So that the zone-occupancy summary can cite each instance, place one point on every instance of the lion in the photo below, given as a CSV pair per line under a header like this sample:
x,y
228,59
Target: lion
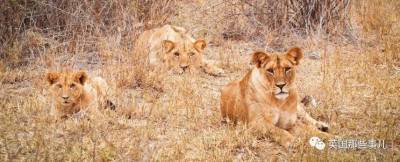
x,y
75,93
266,98
171,48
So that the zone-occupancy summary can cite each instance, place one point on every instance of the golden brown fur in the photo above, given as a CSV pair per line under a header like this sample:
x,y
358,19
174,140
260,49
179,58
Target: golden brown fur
x,y
75,93
171,48
266,98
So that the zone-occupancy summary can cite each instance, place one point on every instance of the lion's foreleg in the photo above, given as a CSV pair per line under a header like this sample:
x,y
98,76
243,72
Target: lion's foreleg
x,y
304,116
306,130
266,127
212,69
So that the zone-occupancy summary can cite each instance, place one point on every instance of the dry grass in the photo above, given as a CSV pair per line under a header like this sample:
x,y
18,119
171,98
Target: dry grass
x,y
355,81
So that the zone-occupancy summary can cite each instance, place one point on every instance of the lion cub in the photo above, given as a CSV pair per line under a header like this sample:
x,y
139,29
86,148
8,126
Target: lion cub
x,y
75,93
171,48
266,98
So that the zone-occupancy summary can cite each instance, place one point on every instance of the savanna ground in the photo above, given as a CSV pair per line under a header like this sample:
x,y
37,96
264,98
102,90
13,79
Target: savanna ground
x,y
353,73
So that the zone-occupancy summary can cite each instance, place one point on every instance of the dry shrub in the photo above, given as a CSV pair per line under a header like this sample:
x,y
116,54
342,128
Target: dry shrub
x,y
26,47
330,16
258,19
76,25
154,13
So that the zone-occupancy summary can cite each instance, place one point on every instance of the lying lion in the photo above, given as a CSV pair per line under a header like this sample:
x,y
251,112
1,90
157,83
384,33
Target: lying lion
x,y
171,48
266,98
75,93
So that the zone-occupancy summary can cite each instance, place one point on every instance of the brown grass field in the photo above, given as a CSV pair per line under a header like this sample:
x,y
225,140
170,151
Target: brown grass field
x,y
351,68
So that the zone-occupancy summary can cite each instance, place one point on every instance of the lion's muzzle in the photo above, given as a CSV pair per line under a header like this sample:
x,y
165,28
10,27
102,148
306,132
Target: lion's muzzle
x,y
281,92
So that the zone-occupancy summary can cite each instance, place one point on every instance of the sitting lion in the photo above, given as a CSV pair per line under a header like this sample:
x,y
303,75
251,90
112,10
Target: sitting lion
x,y
266,98
171,48
75,93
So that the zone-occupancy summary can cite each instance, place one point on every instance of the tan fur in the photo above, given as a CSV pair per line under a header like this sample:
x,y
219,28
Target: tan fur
x,y
171,48
76,93
258,100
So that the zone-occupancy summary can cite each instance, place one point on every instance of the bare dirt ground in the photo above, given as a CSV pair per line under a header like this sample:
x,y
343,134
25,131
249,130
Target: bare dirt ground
x,y
356,86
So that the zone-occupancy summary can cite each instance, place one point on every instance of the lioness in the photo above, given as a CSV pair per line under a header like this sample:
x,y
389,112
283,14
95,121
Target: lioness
x,y
171,48
266,98
76,93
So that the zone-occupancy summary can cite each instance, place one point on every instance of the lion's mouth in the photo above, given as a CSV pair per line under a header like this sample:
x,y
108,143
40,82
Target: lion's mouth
x,y
66,102
282,95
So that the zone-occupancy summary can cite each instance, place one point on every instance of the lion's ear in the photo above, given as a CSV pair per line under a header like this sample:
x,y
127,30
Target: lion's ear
x,y
295,54
200,44
52,77
81,77
168,45
259,58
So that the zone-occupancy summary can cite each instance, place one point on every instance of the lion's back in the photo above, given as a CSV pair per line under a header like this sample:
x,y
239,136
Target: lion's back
x,y
99,87
231,102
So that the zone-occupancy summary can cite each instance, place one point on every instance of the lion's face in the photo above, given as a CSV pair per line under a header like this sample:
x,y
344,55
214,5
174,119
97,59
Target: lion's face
x,y
183,56
278,70
66,87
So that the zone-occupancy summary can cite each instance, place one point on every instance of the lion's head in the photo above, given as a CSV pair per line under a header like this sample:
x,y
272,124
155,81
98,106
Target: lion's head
x,y
67,88
278,70
183,55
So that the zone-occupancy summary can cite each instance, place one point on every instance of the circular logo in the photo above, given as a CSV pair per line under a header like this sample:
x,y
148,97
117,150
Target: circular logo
x,y
313,141
317,143
320,145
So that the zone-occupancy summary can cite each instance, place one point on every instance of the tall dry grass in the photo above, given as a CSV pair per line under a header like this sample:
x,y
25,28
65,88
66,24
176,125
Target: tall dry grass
x,y
34,27
356,82
267,22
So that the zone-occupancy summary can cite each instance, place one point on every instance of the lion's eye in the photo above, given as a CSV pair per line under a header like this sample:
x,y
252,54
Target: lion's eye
x,y
271,71
59,86
287,69
191,54
72,85
176,53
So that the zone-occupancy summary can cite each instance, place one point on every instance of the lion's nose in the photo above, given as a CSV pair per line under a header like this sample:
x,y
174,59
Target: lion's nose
x,y
184,67
65,97
280,85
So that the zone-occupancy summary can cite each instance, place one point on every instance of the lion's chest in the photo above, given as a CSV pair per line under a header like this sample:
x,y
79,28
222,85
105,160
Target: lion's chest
x,y
282,118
